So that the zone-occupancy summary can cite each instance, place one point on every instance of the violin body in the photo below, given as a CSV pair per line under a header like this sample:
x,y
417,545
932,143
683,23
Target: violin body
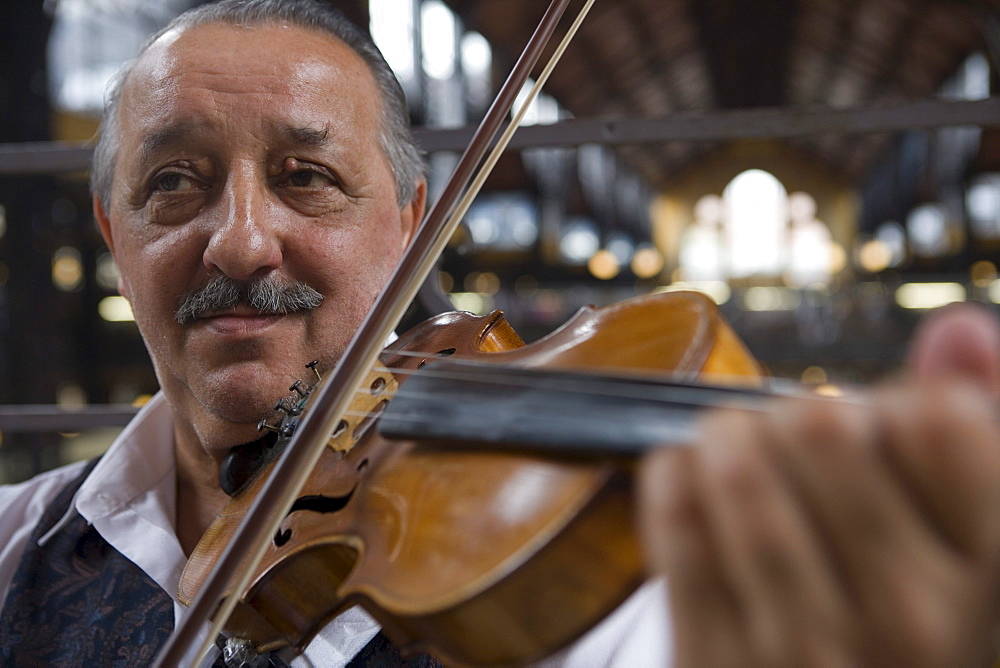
x,y
474,557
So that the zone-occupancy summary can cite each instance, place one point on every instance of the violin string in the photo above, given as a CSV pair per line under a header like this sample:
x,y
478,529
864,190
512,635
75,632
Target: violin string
x,y
680,391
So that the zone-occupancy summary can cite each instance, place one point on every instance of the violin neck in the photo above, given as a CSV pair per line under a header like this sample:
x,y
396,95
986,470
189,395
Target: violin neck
x,y
457,404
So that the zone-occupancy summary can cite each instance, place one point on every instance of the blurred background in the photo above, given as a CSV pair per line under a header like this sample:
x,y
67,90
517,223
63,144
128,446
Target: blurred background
x,y
826,170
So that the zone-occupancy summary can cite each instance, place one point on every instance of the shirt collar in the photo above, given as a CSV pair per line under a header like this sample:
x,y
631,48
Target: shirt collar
x,y
136,463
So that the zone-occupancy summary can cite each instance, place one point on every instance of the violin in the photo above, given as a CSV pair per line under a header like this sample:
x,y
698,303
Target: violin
x,y
485,556
346,516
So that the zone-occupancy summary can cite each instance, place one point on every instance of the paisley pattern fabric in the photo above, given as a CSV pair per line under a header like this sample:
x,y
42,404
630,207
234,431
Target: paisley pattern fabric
x,y
76,601
380,653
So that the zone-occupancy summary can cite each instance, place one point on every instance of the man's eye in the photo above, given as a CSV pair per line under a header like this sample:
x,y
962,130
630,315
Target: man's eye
x,y
305,178
173,182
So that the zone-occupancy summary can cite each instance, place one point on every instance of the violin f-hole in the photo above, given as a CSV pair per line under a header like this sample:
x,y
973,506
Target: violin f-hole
x,y
447,352
317,504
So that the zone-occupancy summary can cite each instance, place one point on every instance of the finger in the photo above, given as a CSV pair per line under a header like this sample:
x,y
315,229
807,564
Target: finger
x,y
963,341
890,560
679,546
770,552
944,443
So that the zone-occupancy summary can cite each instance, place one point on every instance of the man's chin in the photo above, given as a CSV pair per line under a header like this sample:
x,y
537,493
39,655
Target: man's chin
x,y
240,401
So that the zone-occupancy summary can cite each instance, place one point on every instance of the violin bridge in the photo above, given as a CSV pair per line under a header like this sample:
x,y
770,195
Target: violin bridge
x,y
369,402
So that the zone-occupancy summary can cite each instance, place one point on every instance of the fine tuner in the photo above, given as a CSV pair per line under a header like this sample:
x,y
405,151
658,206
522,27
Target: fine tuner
x,y
245,462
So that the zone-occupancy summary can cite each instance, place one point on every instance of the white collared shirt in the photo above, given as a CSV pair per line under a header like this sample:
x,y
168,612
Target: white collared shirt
x,y
129,498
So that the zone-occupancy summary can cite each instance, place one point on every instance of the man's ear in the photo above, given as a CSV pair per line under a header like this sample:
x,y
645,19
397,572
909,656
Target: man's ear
x,y
412,214
104,223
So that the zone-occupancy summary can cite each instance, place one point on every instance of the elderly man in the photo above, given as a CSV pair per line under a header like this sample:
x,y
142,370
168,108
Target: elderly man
x,y
256,184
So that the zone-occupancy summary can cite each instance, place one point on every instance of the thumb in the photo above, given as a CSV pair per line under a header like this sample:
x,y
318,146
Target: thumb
x,y
960,342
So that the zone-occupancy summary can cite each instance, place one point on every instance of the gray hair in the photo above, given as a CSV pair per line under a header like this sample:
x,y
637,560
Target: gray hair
x,y
405,158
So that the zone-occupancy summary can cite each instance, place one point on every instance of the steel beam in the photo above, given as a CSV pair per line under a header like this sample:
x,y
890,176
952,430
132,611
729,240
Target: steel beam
x,y
44,417
708,126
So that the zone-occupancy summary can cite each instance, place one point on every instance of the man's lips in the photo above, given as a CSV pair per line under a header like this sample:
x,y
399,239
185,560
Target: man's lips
x,y
239,321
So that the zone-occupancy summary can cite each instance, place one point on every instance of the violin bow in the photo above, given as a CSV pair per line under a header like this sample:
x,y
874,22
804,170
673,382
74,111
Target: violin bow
x,y
234,568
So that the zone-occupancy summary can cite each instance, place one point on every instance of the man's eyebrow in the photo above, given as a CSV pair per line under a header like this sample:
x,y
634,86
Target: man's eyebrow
x,y
161,138
307,136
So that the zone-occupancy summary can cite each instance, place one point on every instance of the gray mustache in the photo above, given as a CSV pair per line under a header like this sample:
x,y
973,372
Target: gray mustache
x,y
268,295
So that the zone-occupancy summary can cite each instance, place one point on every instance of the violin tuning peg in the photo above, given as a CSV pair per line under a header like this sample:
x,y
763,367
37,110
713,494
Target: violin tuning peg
x,y
264,426
297,387
312,365
280,406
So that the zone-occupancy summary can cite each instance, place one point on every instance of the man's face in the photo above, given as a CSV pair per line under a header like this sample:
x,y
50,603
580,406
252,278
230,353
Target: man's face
x,y
251,154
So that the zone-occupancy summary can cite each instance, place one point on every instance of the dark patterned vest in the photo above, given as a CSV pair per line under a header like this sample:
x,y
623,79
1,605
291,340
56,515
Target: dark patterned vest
x,y
77,601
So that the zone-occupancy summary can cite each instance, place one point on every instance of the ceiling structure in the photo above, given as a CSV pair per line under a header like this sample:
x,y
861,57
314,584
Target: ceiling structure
x,y
657,57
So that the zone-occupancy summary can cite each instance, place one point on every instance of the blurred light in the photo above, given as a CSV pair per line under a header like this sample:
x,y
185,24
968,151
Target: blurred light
x,y
801,207
927,227
141,400
579,242
929,295
974,78
70,396
983,273
446,281
504,221
115,309
67,269
485,282
106,273
770,299
543,109
814,375
473,302
838,258
892,235
874,256
391,28
477,68
477,57
757,215
521,224
828,390
810,254
982,201
621,247
701,253
438,39
483,229
709,209
994,292
717,291
603,265
647,262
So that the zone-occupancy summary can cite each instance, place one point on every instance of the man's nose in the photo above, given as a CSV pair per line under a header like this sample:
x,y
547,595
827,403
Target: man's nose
x,y
244,243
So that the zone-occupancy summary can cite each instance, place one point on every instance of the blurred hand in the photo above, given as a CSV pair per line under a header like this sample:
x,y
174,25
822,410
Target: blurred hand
x,y
824,533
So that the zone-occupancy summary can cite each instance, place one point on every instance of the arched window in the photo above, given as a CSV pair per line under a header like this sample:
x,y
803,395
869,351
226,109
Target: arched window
x,y
756,229
756,223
